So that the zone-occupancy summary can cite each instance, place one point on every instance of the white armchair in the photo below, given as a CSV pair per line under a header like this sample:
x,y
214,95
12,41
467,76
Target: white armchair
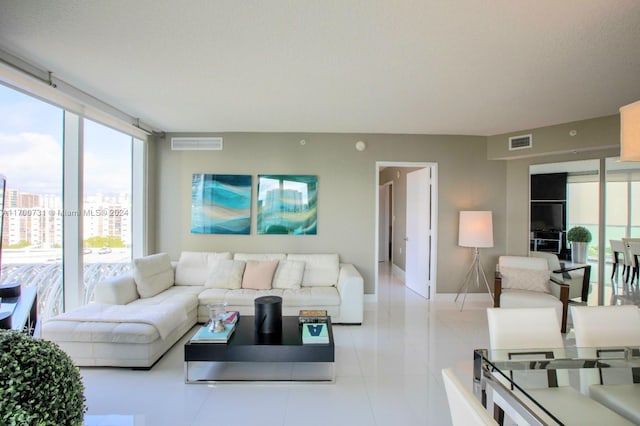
x,y
526,282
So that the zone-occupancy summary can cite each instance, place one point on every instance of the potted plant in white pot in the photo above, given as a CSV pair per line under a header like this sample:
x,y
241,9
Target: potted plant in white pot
x,y
580,237
39,384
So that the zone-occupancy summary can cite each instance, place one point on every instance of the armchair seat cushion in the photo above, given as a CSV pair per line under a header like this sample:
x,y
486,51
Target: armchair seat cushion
x,y
623,399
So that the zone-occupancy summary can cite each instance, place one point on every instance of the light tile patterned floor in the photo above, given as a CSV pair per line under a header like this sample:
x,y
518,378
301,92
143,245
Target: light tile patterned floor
x,y
387,373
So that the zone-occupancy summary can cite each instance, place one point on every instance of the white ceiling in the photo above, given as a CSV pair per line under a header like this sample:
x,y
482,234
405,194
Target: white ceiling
x,y
479,67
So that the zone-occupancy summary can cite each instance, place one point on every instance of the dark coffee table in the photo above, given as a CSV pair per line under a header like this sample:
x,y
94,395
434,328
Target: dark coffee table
x,y
252,357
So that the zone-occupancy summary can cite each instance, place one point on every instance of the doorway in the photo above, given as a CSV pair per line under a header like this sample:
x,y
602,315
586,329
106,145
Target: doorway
x,y
385,228
406,212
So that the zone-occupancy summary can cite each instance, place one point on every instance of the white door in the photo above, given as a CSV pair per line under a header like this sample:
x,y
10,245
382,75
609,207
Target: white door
x,y
418,231
383,224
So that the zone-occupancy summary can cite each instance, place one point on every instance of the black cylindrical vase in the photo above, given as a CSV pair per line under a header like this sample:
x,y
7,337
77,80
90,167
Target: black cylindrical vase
x,y
268,315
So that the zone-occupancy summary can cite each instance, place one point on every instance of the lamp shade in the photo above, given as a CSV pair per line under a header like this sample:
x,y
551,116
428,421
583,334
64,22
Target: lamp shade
x,y
476,229
630,132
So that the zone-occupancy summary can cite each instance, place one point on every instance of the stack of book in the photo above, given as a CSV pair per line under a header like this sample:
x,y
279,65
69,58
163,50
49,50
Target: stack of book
x,y
206,334
314,325
315,332
312,315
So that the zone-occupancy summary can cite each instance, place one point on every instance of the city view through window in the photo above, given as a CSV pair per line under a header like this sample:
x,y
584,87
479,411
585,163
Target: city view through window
x,y
31,158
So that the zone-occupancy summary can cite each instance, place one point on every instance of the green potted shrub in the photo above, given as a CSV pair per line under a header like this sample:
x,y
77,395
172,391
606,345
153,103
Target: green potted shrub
x,y
39,384
580,237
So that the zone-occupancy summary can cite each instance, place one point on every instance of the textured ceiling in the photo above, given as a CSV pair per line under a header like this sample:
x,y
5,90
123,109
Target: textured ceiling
x,y
437,67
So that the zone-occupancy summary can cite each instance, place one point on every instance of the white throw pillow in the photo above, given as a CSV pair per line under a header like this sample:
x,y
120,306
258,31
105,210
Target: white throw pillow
x,y
289,274
526,279
225,273
153,274
319,269
193,266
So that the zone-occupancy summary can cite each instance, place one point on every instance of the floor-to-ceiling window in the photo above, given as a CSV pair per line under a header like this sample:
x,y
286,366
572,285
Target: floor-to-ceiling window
x,y
37,142
623,221
106,202
31,148
582,207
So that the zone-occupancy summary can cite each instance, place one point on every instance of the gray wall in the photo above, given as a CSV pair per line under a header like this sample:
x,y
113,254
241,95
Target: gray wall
x,y
597,133
346,193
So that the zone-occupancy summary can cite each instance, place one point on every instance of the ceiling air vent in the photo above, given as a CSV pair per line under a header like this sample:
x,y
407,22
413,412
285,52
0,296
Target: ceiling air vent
x,y
520,142
196,144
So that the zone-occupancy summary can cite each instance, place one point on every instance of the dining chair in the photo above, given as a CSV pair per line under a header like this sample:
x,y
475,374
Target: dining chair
x,y
536,331
464,407
618,252
597,328
526,282
628,258
634,253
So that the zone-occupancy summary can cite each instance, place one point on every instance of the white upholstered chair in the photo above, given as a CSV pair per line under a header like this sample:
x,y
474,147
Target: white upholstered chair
x,y
619,259
634,252
602,327
526,282
628,258
577,277
464,407
527,329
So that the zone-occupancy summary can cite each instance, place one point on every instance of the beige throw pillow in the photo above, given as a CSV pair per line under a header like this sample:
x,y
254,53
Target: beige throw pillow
x,y
225,273
526,279
259,274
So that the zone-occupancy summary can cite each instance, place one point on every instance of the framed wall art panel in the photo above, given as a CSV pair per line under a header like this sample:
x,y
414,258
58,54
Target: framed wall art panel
x,y
288,204
220,204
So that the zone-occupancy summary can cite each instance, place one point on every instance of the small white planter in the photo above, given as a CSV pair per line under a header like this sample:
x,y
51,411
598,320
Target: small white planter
x,y
579,252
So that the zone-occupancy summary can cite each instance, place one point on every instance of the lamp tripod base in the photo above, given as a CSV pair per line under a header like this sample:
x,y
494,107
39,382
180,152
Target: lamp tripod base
x,y
475,270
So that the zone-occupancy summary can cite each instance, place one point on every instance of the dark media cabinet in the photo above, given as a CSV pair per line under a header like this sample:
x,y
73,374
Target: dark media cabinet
x,y
548,213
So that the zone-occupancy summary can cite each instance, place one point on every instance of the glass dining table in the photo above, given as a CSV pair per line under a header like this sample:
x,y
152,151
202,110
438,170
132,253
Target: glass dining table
x,y
560,386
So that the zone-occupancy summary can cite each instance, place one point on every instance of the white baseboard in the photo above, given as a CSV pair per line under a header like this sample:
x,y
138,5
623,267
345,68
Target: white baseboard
x,y
397,272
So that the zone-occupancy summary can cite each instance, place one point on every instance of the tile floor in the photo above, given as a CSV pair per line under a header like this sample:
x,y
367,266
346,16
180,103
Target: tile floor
x,y
387,372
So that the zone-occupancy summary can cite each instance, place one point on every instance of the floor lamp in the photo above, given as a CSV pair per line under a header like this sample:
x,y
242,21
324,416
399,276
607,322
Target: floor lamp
x,y
475,230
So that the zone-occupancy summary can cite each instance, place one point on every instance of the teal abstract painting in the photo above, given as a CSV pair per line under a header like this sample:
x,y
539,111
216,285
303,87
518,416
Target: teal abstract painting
x,y
288,204
220,204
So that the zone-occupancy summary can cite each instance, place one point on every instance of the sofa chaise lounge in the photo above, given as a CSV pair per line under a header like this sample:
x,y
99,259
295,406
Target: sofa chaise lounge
x,y
136,317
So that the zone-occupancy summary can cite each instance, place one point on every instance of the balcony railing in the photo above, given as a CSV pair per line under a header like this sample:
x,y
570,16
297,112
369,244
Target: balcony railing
x,y
47,277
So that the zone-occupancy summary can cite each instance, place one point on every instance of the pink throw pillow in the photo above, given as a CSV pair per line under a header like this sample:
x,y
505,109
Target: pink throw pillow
x,y
258,274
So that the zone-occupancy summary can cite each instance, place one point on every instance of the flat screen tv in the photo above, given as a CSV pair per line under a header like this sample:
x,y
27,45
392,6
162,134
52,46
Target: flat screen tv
x,y
547,217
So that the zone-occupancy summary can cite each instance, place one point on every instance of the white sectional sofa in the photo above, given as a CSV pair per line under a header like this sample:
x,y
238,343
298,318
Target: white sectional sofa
x,y
136,317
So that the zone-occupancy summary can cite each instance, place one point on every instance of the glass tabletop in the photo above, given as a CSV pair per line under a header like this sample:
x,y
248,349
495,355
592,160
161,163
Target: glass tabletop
x,y
545,386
